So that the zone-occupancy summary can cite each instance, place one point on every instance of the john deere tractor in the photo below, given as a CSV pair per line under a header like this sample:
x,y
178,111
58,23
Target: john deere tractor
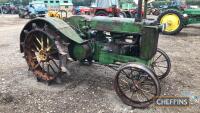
x,y
178,17
126,45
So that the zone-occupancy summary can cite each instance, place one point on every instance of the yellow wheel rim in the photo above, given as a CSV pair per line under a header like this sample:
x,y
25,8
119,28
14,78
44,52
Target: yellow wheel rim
x,y
172,20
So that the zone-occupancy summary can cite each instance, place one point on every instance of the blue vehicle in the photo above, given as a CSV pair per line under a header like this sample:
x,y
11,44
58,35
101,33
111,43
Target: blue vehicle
x,y
33,10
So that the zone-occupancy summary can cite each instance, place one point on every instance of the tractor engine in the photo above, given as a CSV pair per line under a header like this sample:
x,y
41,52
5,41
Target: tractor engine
x,y
122,44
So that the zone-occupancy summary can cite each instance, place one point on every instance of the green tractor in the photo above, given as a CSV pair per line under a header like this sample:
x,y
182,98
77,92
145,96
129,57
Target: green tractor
x,y
178,16
126,45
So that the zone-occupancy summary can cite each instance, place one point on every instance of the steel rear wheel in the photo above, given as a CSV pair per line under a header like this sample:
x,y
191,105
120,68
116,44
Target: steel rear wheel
x,y
42,55
161,64
137,85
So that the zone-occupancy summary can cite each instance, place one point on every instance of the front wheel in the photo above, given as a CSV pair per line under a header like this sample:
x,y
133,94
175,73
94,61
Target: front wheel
x,y
174,21
161,64
137,85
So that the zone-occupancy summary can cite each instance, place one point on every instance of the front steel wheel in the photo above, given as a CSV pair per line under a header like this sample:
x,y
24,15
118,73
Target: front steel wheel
x,y
137,85
161,64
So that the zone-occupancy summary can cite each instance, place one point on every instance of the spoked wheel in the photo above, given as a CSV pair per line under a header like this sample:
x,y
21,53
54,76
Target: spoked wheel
x,y
161,64
137,85
42,55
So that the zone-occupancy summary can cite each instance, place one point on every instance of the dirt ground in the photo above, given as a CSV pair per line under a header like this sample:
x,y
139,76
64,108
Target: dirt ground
x,y
90,89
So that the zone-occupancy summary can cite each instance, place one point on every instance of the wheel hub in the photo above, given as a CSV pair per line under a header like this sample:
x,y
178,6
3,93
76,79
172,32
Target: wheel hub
x,y
43,55
172,20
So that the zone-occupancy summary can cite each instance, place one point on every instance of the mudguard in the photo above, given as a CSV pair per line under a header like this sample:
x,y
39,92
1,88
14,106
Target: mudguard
x,y
59,25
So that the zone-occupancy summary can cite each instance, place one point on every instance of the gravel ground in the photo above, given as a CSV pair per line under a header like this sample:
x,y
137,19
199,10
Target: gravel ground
x,y
90,89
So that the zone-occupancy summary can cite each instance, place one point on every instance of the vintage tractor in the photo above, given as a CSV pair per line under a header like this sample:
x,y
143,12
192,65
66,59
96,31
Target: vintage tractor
x,y
178,17
126,45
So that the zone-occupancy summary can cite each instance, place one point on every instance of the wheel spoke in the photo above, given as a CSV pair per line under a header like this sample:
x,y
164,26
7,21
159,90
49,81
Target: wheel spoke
x,y
161,66
158,58
47,42
127,75
36,66
160,70
52,68
139,99
124,81
149,92
38,41
147,82
160,61
49,47
42,63
55,64
42,43
142,93
48,67
36,46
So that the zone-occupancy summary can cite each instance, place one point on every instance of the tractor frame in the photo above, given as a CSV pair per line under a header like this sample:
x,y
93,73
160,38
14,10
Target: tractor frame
x,y
127,45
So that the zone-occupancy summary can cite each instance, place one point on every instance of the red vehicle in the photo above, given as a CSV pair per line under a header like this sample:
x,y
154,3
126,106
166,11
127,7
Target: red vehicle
x,y
78,10
98,8
106,8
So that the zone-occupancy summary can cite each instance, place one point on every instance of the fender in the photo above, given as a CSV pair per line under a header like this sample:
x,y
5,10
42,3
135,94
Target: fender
x,y
59,25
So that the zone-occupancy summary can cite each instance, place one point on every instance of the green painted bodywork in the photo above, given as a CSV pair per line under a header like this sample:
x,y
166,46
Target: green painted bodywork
x,y
194,16
76,28
59,25
64,28
111,58
115,24
101,23
192,11
148,41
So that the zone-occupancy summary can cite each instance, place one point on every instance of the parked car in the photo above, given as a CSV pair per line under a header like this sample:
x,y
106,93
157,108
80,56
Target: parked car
x,y
33,10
